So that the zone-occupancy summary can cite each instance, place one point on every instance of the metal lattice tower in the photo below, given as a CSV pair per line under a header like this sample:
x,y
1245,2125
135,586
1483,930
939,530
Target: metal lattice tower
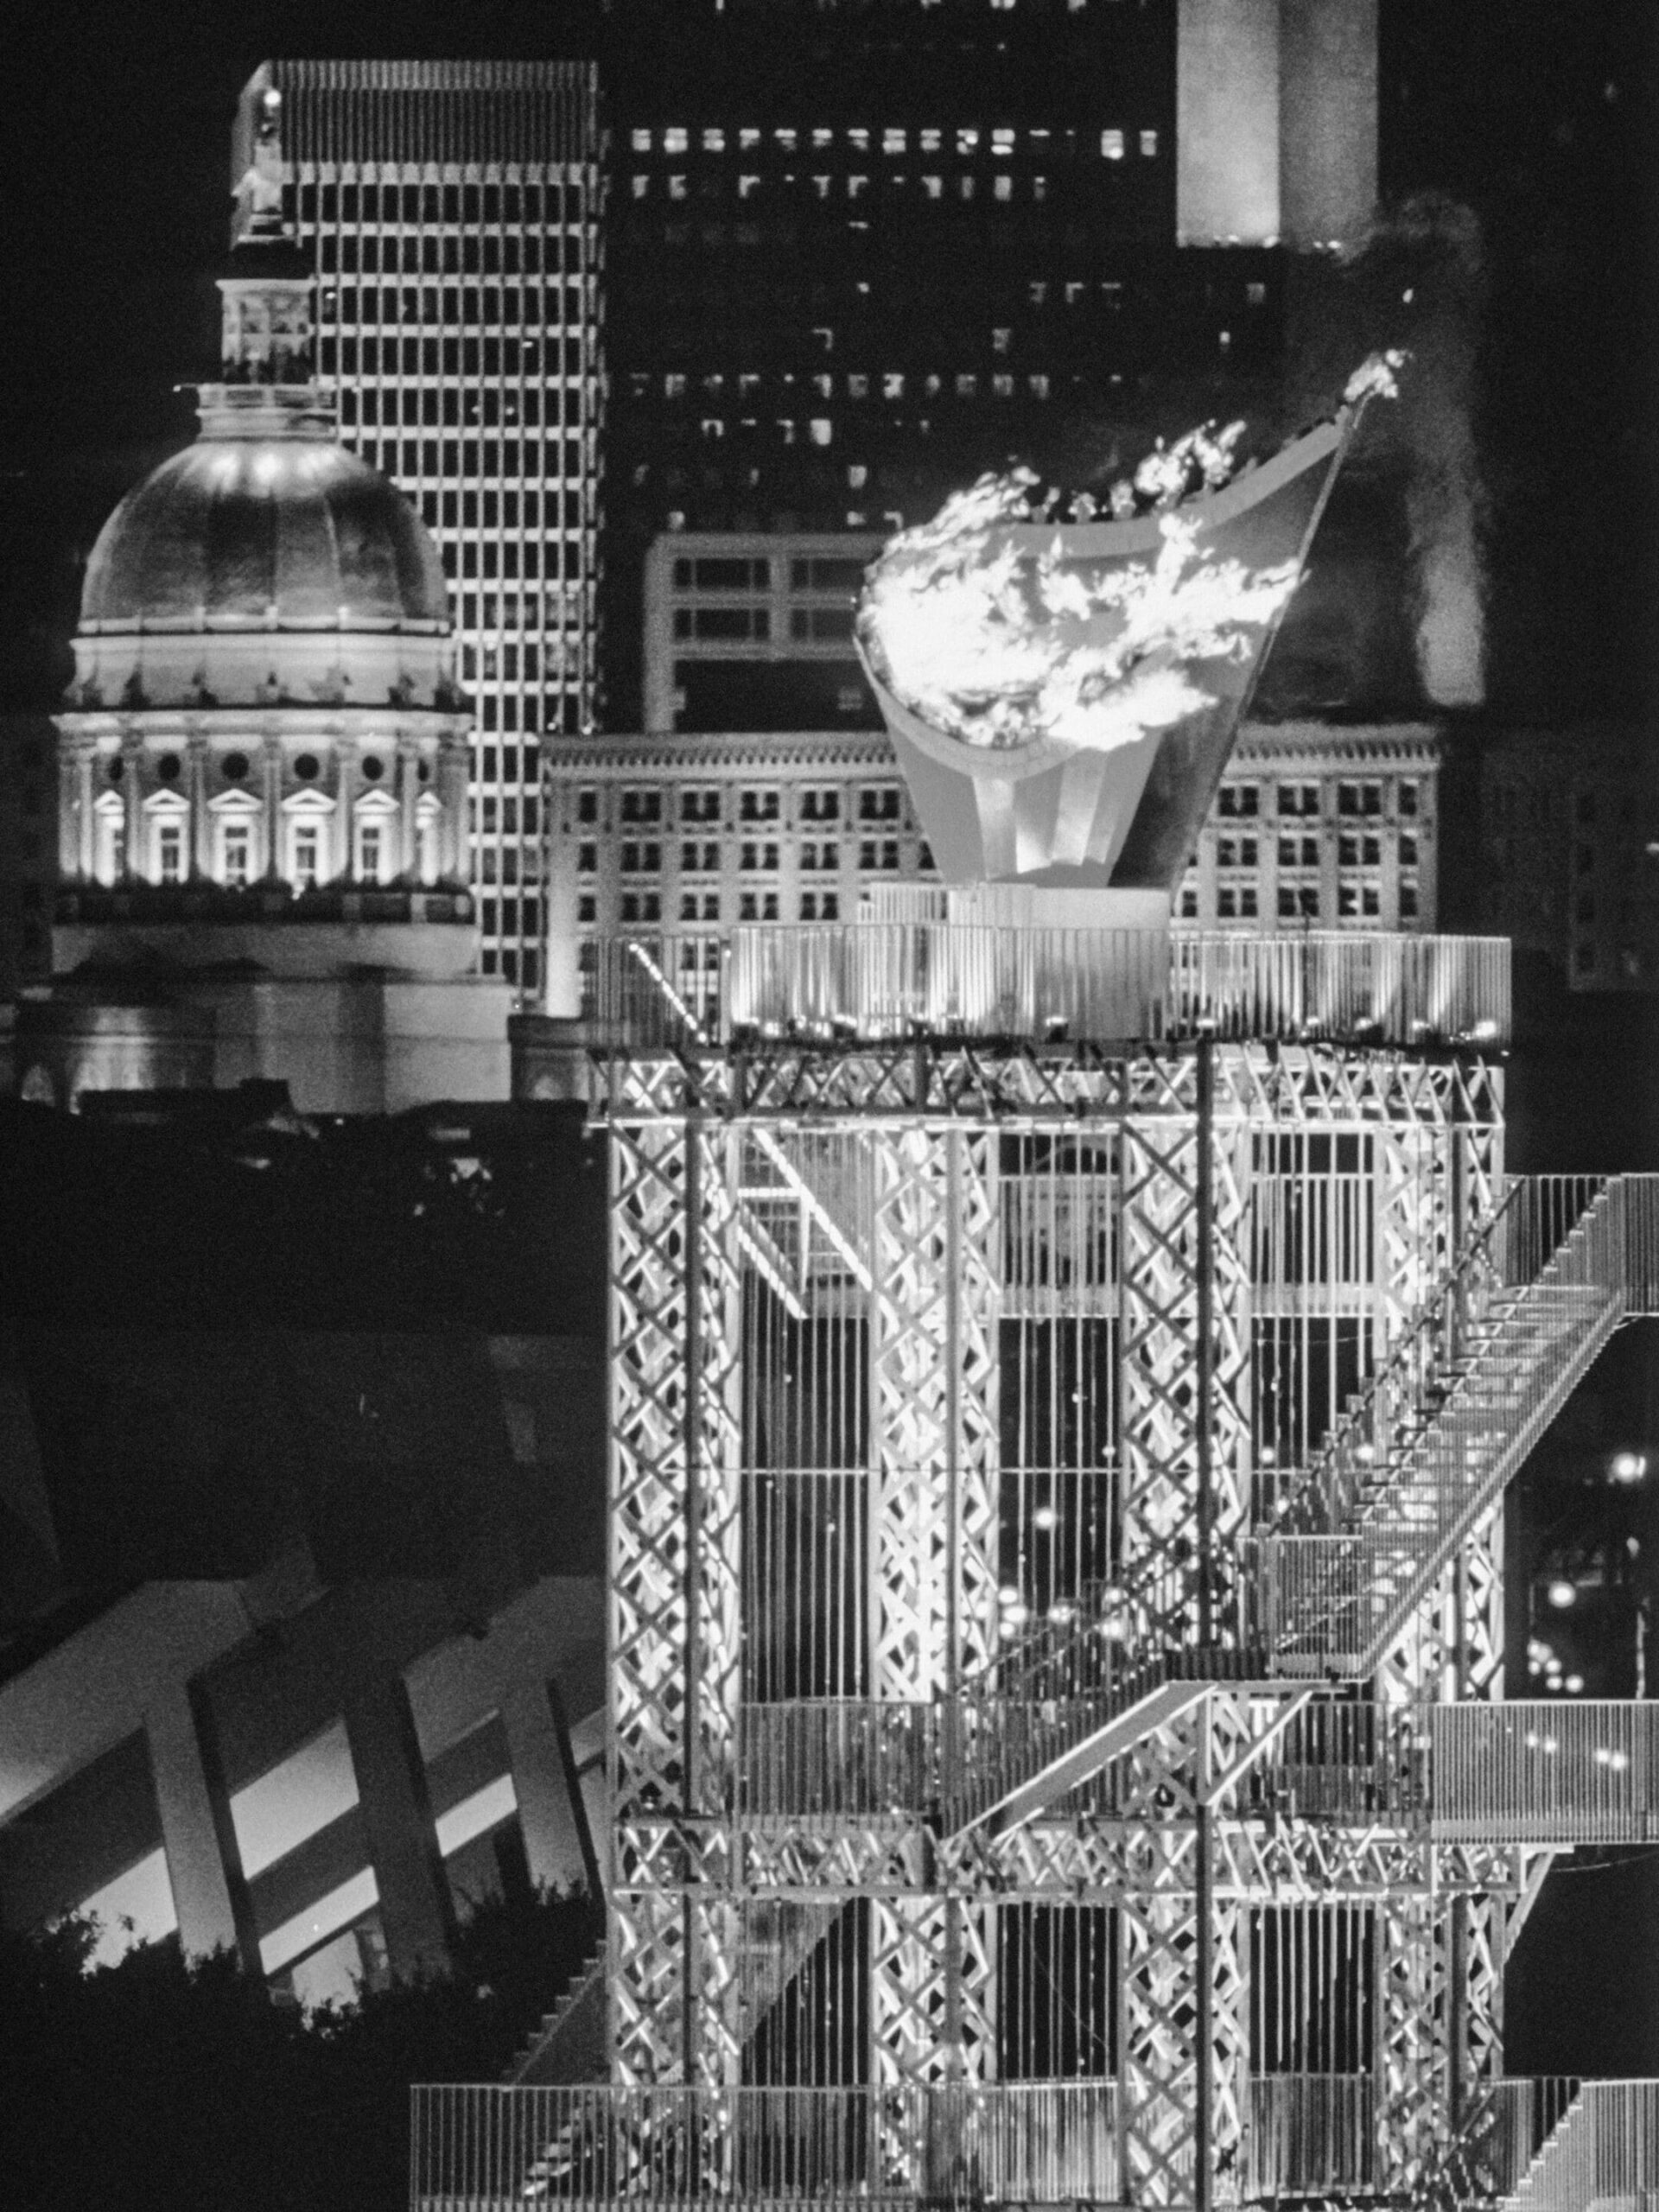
x,y
995,1698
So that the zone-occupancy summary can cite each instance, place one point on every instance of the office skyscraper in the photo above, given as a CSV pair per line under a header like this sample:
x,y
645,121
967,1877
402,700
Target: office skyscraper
x,y
452,210
857,253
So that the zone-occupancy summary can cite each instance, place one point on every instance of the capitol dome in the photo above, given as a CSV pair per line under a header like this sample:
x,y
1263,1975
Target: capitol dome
x,y
267,533
264,564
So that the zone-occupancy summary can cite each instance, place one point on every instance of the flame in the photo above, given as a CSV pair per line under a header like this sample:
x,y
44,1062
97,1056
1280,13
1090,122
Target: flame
x,y
999,646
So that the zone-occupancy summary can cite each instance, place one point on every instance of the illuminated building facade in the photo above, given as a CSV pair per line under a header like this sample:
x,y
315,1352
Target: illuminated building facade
x,y
262,759
1313,829
451,211
858,253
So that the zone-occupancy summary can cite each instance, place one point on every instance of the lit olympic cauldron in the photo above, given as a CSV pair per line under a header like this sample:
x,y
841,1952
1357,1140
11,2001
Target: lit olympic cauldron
x,y
1063,696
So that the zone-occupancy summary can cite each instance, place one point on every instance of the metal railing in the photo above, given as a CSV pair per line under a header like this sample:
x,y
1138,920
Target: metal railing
x,y
1546,1772
1340,983
1311,2134
1500,2137
1439,1428
686,989
862,1761
476,2146
1605,2147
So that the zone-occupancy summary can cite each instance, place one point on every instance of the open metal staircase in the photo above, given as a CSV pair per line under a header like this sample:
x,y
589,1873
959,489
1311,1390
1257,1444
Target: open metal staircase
x,y
1604,2151
1441,1428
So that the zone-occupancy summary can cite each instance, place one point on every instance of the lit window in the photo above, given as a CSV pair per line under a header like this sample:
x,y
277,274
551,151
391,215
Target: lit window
x,y
1002,187
236,855
306,855
929,141
748,137
822,430
640,142
892,385
1149,143
1002,144
371,852
1111,145
967,139
933,186
674,139
170,853
714,139
893,142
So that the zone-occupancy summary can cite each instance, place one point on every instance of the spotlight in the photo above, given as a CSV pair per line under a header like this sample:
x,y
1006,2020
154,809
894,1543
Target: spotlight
x,y
1574,1684
1562,1594
1628,1466
1045,1518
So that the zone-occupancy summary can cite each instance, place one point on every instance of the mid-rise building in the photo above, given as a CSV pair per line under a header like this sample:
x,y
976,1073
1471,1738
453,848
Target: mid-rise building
x,y
451,211
753,630
678,836
1569,853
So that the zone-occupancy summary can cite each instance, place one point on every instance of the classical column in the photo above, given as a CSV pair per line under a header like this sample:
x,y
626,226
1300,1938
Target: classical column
x,y
416,1912
345,749
201,823
77,850
409,792
453,770
132,794
270,776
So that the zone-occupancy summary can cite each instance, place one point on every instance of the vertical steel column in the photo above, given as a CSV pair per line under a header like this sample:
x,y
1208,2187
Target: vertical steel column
x,y
1205,1363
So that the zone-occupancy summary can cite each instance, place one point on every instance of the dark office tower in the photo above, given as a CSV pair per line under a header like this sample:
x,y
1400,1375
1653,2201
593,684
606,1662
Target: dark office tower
x,y
453,209
858,251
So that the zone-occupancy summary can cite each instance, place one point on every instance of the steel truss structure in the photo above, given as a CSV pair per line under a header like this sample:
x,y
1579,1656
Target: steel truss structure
x,y
953,1392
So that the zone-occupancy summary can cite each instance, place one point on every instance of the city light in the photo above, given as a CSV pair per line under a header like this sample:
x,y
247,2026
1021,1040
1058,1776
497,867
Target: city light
x,y
1628,1466
1562,1594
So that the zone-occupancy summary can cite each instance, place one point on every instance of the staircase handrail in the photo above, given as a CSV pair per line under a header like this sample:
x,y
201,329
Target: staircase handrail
x,y
1421,1355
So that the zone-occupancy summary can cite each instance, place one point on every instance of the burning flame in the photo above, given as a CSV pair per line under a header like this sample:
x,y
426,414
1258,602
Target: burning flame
x,y
999,642
999,646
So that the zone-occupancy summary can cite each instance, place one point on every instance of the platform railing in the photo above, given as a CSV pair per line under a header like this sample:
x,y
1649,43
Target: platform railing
x,y
1605,2151
1501,2134
1438,1429
654,991
1546,1772
1311,2135
487,2149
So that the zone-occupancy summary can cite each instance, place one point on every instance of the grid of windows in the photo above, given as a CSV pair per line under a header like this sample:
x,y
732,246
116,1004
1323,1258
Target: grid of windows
x,y
811,842
452,216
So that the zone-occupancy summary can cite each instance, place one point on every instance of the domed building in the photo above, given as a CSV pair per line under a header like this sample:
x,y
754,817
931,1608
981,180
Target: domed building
x,y
264,762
